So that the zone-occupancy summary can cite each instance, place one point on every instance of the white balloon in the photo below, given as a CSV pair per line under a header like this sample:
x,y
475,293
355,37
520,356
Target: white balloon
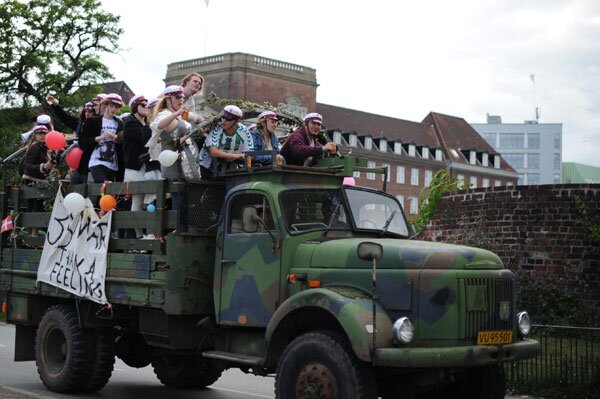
x,y
74,203
167,158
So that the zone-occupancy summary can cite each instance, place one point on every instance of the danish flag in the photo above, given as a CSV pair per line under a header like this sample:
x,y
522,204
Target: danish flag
x,y
7,223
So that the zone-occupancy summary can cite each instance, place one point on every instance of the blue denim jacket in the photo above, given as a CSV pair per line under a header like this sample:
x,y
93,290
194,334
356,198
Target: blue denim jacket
x,y
259,145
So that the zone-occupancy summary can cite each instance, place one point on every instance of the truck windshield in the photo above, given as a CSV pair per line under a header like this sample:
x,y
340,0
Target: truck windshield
x,y
314,210
374,211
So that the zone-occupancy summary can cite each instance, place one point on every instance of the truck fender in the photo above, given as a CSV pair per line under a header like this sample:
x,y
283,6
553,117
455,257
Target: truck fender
x,y
350,307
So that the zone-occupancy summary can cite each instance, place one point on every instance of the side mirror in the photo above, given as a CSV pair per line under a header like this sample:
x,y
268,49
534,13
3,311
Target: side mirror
x,y
249,219
369,251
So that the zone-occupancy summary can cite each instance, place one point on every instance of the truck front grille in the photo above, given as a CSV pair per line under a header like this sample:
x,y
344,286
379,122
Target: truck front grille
x,y
488,306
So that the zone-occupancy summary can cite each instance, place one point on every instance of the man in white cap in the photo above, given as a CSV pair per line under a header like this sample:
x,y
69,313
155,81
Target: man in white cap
x,y
99,140
225,143
264,137
302,147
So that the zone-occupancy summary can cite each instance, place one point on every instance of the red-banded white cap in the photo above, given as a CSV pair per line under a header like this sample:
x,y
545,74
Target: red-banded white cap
x,y
89,105
153,102
173,90
233,111
114,98
40,129
100,97
267,115
136,100
313,116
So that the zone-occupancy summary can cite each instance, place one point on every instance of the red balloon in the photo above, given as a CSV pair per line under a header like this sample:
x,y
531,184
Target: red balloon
x,y
55,140
74,157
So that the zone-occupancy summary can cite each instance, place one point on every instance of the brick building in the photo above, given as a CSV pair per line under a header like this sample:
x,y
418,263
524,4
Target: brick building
x,y
413,151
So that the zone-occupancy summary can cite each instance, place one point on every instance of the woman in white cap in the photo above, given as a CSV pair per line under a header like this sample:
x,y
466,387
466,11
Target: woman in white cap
x,y
302,147
171,132
100,141
264,137
227,142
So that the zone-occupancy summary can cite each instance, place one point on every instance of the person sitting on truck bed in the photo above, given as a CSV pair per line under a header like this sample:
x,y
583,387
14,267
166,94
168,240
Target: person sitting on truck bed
x,y
302,147
226,142
264,137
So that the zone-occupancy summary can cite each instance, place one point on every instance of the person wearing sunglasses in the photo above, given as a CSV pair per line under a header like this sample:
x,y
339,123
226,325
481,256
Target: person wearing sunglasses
x,y
226,143
302,147
171,132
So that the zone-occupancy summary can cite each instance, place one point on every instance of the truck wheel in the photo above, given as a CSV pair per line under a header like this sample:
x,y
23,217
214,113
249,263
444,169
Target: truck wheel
x,y
61,350
101,347
487,382
321,364
185,372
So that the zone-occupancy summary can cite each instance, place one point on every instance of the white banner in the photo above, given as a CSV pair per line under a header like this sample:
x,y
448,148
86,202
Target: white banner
x,y
75,251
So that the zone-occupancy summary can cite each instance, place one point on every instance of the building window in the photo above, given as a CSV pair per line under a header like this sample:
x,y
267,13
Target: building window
x,y
533,141
557,141
414,176
485,159
533,161
425,152
368,143
490,138
438,155
356,174
398,148
370,175
473,181
414,205
556,161
400,199
472,157
521,179
389,171
497,161
512,140
337,137
352,140
400,175
515,160
428,177
509,184
557,179
485,182
411,150
461,180
383,145
533,178
497,182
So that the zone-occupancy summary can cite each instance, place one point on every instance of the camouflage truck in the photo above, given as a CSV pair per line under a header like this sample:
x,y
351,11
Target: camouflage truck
x,y
275,270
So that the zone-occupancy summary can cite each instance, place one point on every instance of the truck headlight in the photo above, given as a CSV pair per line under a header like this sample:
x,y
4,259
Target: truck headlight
x,y
524,323
403,330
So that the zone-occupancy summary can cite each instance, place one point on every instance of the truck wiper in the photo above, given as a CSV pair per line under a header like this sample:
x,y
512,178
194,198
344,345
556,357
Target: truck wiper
x,y
330,221
387,224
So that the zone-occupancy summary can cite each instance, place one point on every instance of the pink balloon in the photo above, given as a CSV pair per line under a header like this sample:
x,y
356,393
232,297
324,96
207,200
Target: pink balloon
x,y
349,181
55,140
74,157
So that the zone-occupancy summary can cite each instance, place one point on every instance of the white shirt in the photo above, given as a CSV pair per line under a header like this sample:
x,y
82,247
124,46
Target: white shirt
x,y
239,142
105,153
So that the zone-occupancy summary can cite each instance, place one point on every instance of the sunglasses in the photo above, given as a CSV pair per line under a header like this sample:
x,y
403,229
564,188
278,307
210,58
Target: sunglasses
x,y
178,96
144,105
229,118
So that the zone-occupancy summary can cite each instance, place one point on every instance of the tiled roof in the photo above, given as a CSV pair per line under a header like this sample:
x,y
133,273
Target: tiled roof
x,y
364,123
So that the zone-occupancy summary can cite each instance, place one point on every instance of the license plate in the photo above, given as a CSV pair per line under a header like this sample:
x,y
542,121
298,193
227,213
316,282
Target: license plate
x,y
494,337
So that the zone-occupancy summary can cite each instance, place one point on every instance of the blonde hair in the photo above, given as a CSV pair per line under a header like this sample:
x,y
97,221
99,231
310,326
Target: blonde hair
x,y
159,106
187,78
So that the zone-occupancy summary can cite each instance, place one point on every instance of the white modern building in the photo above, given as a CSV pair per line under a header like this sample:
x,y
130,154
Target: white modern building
x,y
533,149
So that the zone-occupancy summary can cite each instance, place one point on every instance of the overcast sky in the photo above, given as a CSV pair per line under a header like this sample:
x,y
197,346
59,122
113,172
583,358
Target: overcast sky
x,y
397,58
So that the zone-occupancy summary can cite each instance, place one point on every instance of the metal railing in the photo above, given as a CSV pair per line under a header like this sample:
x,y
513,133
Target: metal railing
x,y
570,356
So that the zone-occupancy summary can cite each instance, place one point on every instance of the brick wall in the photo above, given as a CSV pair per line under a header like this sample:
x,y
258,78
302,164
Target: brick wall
x,y
532,228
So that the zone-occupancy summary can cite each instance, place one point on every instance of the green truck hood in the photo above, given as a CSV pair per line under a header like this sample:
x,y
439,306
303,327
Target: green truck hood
x,y
397,254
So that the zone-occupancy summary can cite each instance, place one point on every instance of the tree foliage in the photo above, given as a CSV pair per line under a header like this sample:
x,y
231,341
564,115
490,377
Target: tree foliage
x,y
53,46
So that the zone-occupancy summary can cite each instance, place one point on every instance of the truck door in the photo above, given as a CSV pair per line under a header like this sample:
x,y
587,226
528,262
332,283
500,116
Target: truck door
x,y
250,262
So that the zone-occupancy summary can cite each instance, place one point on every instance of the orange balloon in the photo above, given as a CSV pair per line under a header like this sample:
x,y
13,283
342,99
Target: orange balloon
x,y
107,202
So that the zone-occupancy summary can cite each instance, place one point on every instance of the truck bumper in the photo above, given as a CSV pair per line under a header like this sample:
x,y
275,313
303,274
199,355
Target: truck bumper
x,y
476,355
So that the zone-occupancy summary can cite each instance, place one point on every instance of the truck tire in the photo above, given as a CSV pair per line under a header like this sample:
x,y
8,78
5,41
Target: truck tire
x,y
488,382
61,350
185,372
321,364
101,348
